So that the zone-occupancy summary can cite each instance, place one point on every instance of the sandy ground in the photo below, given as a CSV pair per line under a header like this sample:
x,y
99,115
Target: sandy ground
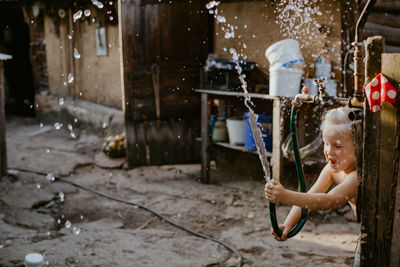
x,y
72,227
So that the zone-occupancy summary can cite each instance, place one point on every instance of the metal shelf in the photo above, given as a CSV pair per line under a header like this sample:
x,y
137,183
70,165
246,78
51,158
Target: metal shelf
x,y
240,148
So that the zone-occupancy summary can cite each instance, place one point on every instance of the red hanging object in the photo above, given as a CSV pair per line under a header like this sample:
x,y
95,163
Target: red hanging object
x,y
380,90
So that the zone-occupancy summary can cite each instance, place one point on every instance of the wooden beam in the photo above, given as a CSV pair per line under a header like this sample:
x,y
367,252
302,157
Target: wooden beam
x,y
387,6
370,173
3,147
391,34
374,47
278,135
390,68
385,18
205,139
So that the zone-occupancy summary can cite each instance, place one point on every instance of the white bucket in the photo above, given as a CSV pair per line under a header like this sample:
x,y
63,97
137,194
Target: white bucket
x,y
284,81
284,53
236,130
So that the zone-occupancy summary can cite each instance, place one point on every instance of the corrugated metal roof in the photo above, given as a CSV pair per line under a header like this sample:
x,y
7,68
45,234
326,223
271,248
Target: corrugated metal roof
x,y
5,56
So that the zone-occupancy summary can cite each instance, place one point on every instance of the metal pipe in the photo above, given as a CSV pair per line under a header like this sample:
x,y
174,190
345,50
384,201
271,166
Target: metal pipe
x,y
356,114
358,98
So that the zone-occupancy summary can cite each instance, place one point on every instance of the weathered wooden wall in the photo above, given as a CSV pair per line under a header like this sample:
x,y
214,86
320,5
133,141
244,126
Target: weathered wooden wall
x,y
380,165
384,19
262,23
96,78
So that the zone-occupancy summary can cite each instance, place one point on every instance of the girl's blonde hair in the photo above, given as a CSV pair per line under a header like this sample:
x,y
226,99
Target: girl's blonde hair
x,y
339,119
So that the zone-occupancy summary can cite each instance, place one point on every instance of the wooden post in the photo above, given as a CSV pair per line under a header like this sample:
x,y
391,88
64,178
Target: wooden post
x,y
3,150
390,68
277,136
380,218
205,139
370,161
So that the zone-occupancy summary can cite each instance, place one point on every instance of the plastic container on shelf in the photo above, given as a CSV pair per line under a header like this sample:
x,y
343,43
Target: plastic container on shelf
x,y
219,132
265,122
284,81
285,53
236,130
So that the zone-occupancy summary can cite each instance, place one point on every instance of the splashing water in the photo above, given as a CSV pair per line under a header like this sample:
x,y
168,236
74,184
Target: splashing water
x,y
61,195
57,126
230,33
51,177
70,78
76,230
77,15
98,4
76,54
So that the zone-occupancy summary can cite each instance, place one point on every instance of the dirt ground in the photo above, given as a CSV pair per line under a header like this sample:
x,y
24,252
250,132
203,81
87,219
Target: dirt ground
x,y
73,227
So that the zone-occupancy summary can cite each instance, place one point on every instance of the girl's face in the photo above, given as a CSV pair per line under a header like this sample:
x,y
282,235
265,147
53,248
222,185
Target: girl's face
x,y
338,150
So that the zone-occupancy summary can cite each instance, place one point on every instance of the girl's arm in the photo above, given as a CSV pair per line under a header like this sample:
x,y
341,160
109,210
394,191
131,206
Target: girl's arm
x,y
321,185
315,199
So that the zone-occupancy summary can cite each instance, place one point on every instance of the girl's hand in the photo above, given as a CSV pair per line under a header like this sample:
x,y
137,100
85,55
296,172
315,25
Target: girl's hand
x,y
285,230
274,191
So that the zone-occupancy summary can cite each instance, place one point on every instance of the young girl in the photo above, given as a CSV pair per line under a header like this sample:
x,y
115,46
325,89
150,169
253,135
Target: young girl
x,y
340,170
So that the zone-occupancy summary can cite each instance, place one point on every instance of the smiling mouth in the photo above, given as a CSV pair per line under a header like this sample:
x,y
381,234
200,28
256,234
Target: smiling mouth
x,y
333,162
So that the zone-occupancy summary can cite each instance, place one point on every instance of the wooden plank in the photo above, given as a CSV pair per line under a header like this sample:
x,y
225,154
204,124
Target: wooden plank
x,y
368,207
374,47
370,159
205,139
357,136
390,68
277,135
3,145
385,18
395,246
388,123
391,34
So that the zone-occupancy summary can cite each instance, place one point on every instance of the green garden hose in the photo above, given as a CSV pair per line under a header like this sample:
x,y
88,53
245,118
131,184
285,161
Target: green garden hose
x,y
300,176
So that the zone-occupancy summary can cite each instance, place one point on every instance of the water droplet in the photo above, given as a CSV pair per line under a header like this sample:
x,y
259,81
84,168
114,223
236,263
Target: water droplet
x,y
98,4
47,150
76,54
61,101
77,15
70,78
57,126
76,230
69,36
51,177
61,195
87,13
104,125
38,186
68,224
58,221
41,125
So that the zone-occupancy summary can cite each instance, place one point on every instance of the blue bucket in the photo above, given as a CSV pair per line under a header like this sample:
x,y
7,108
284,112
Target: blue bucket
x,y
265,121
